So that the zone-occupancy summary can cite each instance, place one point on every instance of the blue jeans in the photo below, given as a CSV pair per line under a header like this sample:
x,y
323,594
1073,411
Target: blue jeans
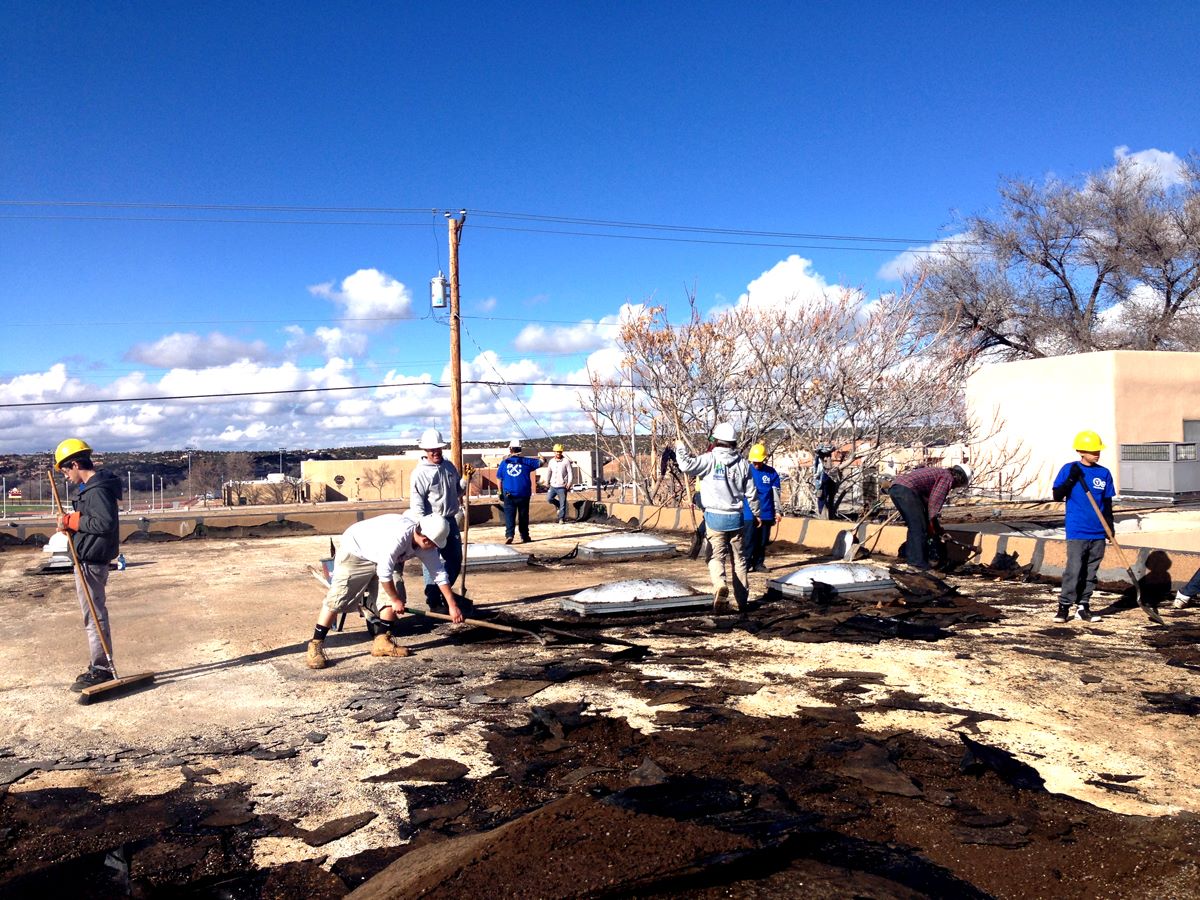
x,y
452,559
755,540
916,516
516,516
558,497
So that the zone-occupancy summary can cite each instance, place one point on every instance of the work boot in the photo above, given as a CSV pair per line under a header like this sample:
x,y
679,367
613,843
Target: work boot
x,y
92,677
721,598
316,654
1083,614
383,646
1064,613
508,540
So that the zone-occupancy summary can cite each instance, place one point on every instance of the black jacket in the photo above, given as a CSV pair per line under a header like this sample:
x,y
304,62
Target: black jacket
x,y
98,539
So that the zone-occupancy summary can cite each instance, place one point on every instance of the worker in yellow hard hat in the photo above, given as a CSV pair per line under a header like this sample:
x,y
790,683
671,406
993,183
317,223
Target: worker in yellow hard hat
x,y
1085,530
94,529
755,538
560,480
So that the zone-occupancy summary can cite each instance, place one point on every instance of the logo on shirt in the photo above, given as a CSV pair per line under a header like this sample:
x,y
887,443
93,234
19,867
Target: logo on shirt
x,y
1098,483
513,469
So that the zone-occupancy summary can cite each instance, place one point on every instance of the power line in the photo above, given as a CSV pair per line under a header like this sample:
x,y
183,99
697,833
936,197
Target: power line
x,y
495,214
288,391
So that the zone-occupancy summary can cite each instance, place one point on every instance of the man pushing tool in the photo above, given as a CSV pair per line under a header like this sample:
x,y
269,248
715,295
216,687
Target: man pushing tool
x,y
371,553
96,536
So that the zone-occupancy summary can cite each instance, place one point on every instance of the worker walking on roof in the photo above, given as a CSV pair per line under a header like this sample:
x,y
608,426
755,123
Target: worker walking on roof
x,y
94,529
725,483
1085,531
437,489
560,482
516,488
919,495
372,552
755,538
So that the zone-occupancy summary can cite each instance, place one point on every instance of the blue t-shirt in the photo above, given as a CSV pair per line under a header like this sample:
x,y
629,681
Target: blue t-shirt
x,y
514,475
1082,522
766,481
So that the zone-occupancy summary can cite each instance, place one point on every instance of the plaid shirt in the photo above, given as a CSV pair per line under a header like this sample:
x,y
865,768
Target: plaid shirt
x,y
931,484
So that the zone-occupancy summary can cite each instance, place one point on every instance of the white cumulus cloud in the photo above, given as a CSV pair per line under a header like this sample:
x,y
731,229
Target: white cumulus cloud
x,y
369,297
1166,166
788,284
905,264
195,351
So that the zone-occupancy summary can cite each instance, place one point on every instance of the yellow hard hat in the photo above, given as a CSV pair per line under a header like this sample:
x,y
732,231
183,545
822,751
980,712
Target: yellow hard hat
x,y
68,448
1089,442
558,448
758,453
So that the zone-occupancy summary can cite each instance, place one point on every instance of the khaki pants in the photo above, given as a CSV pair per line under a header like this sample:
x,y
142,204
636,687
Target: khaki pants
x,y
728,545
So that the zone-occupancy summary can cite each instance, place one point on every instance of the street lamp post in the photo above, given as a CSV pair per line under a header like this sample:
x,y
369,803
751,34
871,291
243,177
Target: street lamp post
x,y
281,449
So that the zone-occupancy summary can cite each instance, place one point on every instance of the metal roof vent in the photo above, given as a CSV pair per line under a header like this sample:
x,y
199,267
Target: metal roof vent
x,y
844,578
626,546
635,595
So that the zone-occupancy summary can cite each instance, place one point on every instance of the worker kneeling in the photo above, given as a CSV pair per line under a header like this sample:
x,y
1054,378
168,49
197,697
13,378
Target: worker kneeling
x,y
371,553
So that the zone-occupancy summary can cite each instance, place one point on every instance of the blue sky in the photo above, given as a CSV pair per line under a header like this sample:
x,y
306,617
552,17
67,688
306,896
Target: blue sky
x,y
876,120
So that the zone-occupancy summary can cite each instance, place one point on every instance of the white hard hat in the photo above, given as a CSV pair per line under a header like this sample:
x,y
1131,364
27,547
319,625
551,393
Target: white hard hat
x,y
966,470
435,528
724,432
514,443
431,439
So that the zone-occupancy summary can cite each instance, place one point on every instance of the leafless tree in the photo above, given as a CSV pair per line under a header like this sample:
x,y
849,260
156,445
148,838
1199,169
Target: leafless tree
x,y
378,477
207,475
239,472
1111,262
857,375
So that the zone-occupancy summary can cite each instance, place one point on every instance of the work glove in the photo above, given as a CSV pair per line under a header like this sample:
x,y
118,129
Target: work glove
x,y
460,518
70,521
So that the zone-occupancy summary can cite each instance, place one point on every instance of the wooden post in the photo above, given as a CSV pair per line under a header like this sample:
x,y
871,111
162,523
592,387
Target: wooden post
x,y
455,347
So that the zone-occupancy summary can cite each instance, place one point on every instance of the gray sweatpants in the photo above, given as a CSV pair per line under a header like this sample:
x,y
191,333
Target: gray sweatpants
x,y
96,575
1079,576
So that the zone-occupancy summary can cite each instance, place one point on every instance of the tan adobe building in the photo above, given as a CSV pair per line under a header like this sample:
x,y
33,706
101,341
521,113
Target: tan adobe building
x,y
1039,405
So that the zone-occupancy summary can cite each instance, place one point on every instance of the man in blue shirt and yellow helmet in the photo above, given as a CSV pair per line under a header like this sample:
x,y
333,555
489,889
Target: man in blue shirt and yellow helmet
x,y
1085,531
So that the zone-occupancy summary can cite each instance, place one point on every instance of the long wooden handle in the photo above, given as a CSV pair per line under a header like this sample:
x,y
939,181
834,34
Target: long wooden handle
x,y
478,623
87,591
1108,531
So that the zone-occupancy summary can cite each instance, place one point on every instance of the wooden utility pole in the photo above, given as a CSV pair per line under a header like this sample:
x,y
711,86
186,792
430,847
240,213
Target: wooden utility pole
x,y
456,438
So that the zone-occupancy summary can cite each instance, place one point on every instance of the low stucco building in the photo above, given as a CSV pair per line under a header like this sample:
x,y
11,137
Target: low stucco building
x,y
1029,411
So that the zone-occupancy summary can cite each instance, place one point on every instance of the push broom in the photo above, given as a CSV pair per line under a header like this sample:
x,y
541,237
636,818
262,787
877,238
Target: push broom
x,y
116,685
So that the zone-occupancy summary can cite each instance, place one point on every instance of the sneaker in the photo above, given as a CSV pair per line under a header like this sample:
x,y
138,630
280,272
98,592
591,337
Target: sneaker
x,y
1064,614
1083,614
92,677
508,540
1181,600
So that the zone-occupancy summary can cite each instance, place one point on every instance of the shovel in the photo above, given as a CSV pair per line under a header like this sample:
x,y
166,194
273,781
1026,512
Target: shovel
x,y
116,684
854,544
1151,612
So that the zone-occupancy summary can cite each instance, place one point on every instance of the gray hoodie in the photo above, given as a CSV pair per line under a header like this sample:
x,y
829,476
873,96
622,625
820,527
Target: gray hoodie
x,y
725,478
436,489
